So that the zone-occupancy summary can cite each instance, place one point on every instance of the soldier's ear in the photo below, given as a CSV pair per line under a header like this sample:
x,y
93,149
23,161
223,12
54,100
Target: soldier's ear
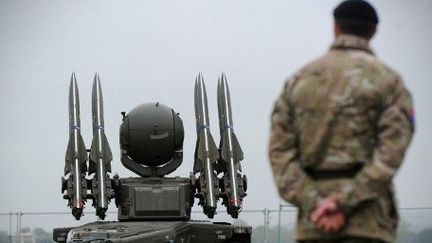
x,y
336,29
373,32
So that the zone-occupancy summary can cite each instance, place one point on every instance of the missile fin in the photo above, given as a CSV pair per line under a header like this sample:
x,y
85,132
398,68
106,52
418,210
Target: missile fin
x,y
198,166
106,155
212,152
81,154
238,152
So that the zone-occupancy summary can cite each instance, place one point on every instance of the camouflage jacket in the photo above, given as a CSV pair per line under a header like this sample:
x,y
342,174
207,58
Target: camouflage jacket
x,y
344,111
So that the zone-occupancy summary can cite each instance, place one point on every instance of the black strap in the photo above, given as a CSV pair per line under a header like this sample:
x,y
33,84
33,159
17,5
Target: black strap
x,y
334,174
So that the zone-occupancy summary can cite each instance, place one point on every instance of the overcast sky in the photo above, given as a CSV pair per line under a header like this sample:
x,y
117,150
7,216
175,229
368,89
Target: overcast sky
x,y
147,51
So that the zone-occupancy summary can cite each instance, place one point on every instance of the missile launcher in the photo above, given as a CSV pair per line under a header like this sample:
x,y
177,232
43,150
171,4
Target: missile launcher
x,y
154,207
233,182
75,184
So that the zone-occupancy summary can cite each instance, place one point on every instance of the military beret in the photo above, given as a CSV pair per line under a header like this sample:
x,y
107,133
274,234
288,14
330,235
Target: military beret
x,y
356,11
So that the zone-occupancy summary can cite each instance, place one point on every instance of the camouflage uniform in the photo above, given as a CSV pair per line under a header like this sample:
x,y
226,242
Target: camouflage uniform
x,y
341,127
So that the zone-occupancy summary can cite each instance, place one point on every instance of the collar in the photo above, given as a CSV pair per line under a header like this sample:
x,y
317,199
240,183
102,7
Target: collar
x,y
351,42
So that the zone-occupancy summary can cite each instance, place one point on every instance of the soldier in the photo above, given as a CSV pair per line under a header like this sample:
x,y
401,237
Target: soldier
x,y
339,132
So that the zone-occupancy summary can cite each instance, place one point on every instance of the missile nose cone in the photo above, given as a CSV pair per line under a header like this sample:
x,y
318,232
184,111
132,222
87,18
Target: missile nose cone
x,y
223,82
201,110
198,81
73,77
97,103
96,84
200,88
200,77
73,82
223,77
73,93
96,77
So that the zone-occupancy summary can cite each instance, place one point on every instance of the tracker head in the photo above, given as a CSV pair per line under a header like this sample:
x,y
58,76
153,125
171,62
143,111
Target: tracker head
x,y
151,140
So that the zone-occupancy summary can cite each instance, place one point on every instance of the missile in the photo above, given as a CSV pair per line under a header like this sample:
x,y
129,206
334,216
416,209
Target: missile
x,y
206,152
100,155
75,182
234,185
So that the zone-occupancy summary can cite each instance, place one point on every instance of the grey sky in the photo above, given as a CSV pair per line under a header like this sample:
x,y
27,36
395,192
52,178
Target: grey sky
x,y
152,50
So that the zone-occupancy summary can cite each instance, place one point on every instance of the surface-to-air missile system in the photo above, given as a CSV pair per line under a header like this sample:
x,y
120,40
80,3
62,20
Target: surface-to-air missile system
x,y
154,207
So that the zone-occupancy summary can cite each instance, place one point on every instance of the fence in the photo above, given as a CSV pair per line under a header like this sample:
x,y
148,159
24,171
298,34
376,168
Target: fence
x,y
269,225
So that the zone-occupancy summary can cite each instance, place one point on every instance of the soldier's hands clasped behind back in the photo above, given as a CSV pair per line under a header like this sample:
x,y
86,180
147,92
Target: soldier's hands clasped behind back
x,y
327,216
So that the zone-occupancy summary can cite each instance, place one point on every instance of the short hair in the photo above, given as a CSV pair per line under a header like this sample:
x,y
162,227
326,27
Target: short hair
x,y
356,17
362,29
